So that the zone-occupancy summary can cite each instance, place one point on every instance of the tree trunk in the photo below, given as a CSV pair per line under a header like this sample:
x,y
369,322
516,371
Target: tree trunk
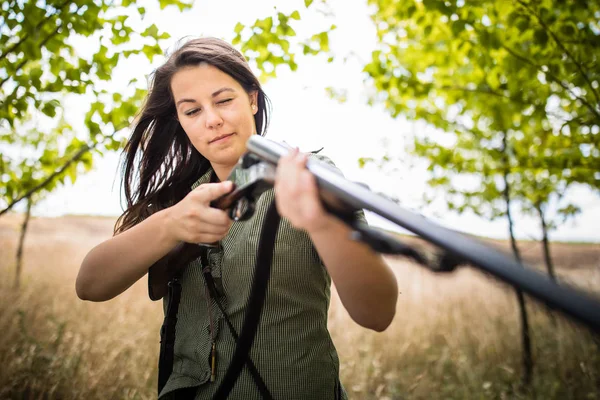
x,y
546,243
547,257
525,337
21,243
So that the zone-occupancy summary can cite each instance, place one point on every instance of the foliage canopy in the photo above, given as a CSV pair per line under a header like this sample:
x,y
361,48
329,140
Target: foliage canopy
x,y
44,59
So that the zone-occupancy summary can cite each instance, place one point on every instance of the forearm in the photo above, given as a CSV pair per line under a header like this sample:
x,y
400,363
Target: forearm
x,y
114,265
366,285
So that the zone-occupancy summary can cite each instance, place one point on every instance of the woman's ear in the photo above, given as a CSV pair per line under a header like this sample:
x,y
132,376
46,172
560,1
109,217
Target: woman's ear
x,y
254,101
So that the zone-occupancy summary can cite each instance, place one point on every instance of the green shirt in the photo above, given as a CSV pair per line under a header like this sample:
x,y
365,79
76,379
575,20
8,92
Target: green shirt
x,y
292,350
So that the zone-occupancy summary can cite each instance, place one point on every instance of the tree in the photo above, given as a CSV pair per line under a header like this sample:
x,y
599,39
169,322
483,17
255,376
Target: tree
x,y
40,66
271,42
484,70
512,84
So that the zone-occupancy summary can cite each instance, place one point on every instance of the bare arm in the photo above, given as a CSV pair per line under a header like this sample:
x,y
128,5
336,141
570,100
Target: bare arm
x,y
116,264
366,285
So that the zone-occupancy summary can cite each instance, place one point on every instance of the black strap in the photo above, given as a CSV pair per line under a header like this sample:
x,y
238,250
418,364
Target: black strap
x,y
255,303
214,292
167,333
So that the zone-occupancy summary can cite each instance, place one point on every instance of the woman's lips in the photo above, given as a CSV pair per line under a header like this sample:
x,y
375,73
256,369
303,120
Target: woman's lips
x,y
221,138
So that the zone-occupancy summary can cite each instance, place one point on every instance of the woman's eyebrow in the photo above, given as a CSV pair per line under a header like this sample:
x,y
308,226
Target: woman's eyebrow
x,y
184,101
223,89
215,94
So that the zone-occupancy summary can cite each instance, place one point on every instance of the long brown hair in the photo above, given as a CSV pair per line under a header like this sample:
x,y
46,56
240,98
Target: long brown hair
x,y
159,162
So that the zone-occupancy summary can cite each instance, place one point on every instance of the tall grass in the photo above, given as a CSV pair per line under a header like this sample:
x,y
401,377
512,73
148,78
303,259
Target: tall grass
x,y
458,337
455,336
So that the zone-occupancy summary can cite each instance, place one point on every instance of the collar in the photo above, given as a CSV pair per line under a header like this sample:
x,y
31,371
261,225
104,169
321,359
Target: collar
x,y
205,178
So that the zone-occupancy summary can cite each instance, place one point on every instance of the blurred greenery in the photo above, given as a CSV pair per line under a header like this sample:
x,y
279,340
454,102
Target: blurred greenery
x,y
41,65
512,85
512,88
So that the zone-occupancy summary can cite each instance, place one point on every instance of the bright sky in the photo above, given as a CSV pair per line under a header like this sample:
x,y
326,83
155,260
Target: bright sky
x,y
303,115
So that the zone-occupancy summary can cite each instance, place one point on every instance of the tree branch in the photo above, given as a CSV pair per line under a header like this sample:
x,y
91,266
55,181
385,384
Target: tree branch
x,y
562,47
554,78
22,63
25,60
490,92
51,177
476,90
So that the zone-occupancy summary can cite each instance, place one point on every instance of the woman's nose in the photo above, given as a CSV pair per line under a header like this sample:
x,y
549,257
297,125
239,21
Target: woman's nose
x,y
213,118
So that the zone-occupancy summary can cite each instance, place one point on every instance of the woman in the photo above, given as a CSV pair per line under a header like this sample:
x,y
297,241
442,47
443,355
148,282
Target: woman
x,y
203,105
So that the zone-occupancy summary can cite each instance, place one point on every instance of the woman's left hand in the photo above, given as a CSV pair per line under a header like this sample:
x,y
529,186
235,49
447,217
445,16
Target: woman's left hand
x,y
296,194
366,285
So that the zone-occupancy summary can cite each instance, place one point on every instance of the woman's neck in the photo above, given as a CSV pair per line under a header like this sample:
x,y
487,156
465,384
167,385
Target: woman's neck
x,y
222,171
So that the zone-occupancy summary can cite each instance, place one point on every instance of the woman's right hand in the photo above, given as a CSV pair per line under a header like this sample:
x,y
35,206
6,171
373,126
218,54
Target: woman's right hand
x,y
193,220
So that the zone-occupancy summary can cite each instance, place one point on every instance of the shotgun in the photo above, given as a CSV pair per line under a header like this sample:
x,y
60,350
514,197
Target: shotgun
x,y
255,173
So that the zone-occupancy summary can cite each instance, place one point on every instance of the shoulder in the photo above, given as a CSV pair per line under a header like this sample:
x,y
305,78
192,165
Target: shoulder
x,y
204,178
317,156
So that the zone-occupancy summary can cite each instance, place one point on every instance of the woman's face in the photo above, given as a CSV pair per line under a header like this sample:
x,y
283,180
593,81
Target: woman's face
x,y
216,113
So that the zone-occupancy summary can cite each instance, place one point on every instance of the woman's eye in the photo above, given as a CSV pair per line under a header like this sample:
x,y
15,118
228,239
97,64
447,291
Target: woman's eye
x,y
224,101
192,112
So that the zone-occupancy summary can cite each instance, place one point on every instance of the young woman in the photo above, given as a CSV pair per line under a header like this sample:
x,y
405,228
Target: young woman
x,y
203,105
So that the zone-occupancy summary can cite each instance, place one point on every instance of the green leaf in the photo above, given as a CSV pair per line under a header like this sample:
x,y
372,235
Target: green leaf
x,y
541,37
427,30
457,27
522,23
49,109
238,28
151,31
363,161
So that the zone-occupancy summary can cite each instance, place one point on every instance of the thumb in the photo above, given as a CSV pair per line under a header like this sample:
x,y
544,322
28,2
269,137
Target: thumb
x,y
212,191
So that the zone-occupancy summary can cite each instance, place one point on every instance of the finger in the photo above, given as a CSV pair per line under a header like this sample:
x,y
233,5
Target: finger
x,y
212,191
215,216
296,166
290,165
301,159
210,238
209,229
203,229
289,156
307,182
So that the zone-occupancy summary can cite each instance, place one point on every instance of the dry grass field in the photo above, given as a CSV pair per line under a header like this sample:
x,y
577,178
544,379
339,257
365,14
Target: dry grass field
x,y
455,336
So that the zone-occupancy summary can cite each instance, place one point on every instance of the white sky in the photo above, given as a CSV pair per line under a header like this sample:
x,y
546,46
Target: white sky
x,y
303,115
